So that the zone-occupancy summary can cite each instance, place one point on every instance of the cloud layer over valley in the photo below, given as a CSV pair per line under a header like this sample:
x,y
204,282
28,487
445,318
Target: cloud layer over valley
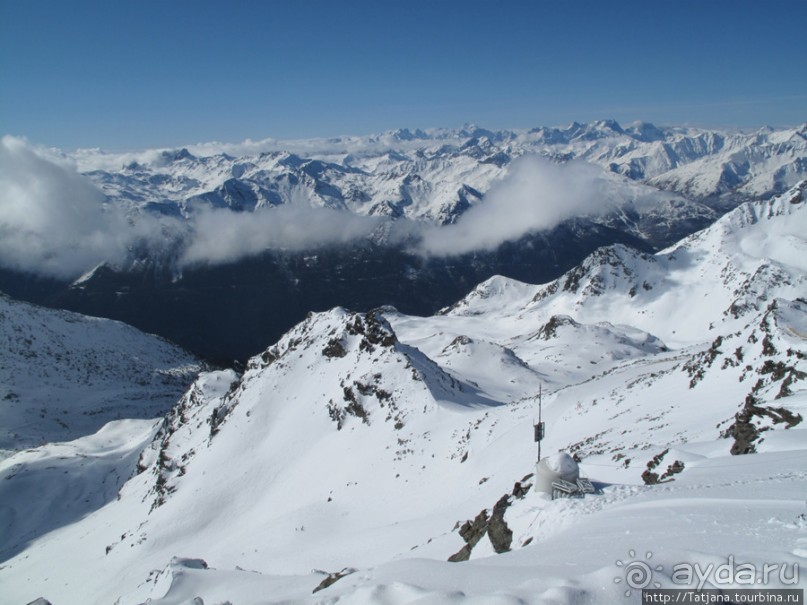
x,y
57,222
53,220
436,193
222,236
535,194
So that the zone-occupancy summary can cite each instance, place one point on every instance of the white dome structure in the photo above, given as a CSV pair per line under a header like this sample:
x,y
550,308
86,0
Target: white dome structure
x,y
554,469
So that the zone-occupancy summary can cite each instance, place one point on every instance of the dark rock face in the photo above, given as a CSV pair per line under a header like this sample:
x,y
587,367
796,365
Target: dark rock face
x,y
334,348
493,526
472,533
651,478
744,430
333,577
550,329
501,536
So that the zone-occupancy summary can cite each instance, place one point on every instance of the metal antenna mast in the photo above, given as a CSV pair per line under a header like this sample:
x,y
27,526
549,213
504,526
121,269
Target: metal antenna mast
x,y
539,427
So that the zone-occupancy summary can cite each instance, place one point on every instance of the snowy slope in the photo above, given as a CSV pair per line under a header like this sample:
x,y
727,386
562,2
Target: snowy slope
x,y
64,375
71,479
716,276
262,516
360,445
582,549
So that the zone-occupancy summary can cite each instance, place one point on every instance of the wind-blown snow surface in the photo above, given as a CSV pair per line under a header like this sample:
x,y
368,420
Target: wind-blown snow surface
x,y
65,375
362,443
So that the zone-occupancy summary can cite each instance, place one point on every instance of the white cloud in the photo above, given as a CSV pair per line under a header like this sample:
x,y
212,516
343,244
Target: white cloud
x,y
220,235
536,194
55,222
50,218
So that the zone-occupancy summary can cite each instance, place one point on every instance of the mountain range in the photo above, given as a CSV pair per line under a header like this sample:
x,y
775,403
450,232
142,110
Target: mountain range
x,y
438,175
259,233
382,457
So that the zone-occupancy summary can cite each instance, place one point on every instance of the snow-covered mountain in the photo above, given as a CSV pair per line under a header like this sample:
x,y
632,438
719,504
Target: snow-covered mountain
x,y
437,175
64,375
656,184
711,279
354,457
413,219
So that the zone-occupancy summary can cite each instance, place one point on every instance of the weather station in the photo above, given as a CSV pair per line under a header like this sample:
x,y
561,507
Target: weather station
x,y
557,475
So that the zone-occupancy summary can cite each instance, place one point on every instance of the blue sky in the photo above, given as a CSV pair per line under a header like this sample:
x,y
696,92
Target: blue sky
x,y
126,75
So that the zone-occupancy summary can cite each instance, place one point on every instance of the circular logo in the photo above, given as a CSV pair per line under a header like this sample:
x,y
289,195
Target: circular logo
x,y
638,574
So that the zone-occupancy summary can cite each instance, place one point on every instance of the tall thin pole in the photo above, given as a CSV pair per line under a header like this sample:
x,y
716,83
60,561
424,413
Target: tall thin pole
x,y
539,418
